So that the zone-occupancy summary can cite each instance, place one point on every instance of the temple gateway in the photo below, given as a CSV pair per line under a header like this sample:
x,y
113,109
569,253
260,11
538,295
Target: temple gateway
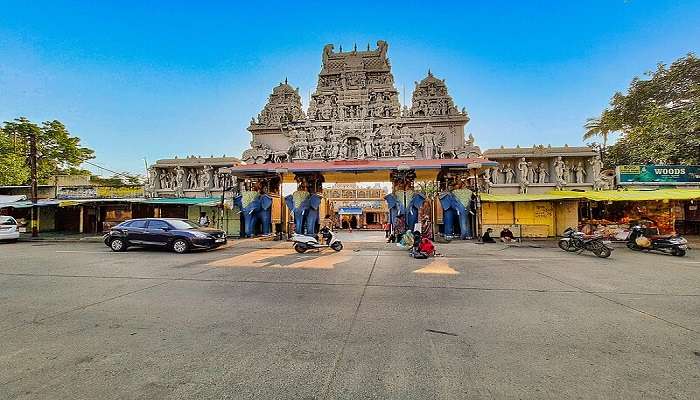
x,y
356,130
355,114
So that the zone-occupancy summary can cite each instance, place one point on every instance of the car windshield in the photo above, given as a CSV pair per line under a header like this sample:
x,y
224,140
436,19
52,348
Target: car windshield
x,y
7,221
183,224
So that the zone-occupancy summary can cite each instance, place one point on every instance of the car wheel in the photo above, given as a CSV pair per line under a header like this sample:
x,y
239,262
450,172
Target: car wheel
x,y
117,245
300,248
180,246
337,246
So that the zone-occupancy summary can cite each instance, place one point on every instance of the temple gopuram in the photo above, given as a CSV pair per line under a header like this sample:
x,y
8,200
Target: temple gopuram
x,y
355,114
356,130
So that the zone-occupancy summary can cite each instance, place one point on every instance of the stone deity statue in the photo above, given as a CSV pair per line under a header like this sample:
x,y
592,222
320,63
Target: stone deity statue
x,y
509,173
559,168
368,144
542,173
567,173
428,145
523,170
179,181
580,172
597,167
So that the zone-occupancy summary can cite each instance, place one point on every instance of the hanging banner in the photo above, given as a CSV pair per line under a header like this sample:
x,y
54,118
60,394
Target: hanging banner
x,y
658,174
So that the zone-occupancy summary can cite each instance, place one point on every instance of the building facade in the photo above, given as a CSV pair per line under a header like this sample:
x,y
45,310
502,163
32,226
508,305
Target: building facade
x,y
357,207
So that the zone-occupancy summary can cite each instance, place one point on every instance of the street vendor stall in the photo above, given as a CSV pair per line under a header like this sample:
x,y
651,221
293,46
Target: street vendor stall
x,y
611,213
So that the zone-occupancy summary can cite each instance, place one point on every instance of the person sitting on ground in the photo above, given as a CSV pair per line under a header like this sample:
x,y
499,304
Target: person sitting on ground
x,y
406,241
506,235
416,242
426,247
486,238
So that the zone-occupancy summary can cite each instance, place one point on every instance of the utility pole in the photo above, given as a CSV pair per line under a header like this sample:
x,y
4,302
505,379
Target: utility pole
x,y
32,164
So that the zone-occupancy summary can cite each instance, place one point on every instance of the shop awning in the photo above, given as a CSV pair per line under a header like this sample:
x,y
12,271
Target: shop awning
x,y
529,197
603,195
641,195
350,211
348,171
77,202
28,204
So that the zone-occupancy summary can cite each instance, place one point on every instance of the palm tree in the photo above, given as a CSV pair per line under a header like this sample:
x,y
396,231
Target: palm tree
x,y
598,127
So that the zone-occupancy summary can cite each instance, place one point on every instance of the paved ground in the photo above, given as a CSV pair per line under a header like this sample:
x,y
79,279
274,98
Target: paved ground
x,y
256,321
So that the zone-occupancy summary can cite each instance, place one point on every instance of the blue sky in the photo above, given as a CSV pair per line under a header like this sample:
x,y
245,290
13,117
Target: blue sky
x,y
157,79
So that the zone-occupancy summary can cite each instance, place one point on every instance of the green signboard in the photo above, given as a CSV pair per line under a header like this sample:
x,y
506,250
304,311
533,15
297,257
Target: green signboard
x,y
658,174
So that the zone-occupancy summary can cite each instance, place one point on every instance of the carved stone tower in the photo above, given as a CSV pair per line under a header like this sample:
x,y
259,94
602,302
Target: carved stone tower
x,y
354,113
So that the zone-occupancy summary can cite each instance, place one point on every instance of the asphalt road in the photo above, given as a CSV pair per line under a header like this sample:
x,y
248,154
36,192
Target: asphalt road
x,y
255,320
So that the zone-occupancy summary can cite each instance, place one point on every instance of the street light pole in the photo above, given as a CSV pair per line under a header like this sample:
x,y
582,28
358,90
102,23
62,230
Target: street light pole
x,y
35,194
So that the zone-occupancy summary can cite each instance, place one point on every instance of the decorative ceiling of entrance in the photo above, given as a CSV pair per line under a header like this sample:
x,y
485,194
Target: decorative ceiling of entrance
x,y
355,114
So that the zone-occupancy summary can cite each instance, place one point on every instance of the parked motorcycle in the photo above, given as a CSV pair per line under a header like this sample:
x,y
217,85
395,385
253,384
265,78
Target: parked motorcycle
x,y
306,242
573,240
675,245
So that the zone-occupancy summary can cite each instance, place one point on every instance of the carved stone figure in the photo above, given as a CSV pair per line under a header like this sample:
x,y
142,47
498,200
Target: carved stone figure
x,y
567,172
369,144
596,167
559,168
523,170
542,173
179,181
207,172
428,144
559,172
508,173
580,172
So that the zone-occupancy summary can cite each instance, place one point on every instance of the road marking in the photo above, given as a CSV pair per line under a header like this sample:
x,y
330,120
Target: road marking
x,y
322,262
439,266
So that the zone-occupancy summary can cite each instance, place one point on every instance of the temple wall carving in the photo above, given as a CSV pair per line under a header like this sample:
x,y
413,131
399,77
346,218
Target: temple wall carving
x,y
355,113
539,169
190,177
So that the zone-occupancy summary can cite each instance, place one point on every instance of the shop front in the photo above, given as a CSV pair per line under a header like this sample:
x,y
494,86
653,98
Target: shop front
x,y
661,211
529,216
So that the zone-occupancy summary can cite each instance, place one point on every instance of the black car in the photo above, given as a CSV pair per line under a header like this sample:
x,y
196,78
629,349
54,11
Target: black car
x,y
180,235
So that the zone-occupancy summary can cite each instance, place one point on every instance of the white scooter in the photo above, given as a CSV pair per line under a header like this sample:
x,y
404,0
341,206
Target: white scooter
x,y
305,242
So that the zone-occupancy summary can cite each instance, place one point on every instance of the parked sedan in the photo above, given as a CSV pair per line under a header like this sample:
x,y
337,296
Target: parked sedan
x,y
8,229
179,235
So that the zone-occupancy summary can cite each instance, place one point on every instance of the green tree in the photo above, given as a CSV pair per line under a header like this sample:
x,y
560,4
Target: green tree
x,y
658,117
58,151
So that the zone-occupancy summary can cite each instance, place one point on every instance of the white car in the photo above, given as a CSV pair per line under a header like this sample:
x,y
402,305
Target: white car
x,y
8,228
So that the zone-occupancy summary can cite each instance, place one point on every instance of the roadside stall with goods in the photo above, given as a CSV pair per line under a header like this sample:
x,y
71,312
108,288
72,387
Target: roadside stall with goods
x,y
612,213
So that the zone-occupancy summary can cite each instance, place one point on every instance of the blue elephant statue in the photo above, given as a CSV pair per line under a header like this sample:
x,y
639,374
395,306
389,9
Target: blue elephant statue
x,y
265,213
456,207
410,210
304,207
249,202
